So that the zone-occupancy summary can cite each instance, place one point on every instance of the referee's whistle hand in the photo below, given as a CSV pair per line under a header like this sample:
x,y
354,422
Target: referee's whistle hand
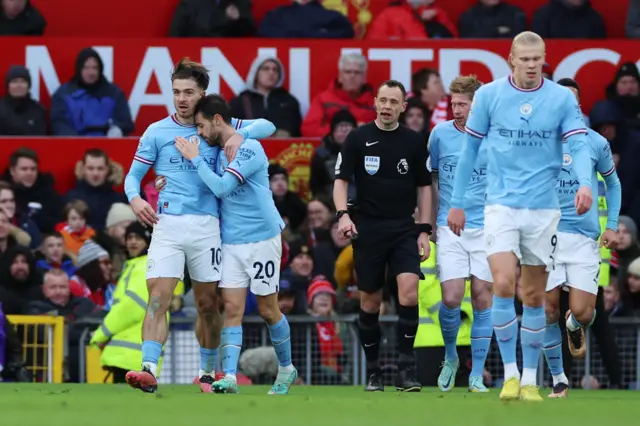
x,y
455,220
423,247
584,199
346,228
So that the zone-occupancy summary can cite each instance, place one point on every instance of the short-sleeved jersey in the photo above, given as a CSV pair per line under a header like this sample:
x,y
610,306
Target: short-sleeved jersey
x,y
523,131
445,144
388,166
248,214
185,192
567,186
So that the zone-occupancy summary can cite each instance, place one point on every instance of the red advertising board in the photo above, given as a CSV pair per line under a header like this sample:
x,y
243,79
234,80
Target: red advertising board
x,y
142,67
59,156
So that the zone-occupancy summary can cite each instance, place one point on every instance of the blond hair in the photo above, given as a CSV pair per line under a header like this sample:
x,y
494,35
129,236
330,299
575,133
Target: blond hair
x,y
525,38
465,85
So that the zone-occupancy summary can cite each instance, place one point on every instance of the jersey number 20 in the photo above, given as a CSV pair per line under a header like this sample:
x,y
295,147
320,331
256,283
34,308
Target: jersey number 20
x,y
267,269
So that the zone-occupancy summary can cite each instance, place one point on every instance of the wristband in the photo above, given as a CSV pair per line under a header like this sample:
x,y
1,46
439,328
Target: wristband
x,y
424,228
341,213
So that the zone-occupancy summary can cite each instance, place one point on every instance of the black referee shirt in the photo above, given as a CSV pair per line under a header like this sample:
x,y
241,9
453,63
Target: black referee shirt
x,y
388,167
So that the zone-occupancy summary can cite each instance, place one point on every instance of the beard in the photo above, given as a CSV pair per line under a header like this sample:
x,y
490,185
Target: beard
x,y
214,140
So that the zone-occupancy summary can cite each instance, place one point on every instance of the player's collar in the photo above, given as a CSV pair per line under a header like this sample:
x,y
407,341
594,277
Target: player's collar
x,y
458,127
513,84
174,117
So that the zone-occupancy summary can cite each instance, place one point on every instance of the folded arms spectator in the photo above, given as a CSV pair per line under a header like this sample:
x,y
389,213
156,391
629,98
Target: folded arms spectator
x,y
21,226
89,105
492,19
206,18
305,19
19,114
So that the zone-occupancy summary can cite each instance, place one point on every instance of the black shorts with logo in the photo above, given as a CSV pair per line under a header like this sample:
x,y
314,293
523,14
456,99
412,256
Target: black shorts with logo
x,y
383,243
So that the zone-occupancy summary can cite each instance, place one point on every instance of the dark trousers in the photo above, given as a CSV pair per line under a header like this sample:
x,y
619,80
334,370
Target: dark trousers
x,y
601,330
429,361
118,374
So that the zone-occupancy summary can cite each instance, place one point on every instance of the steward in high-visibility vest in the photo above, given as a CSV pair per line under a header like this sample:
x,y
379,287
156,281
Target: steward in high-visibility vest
x,y
605,253
429,301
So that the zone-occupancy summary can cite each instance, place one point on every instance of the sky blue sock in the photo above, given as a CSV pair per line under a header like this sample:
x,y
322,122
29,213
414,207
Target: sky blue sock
x,y
151,351
281,339
481,333
230,347
208,359
553,348
505,325
449,324
532,331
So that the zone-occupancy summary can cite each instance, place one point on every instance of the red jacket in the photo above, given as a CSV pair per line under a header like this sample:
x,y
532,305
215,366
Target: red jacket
x,y
317,123
397,22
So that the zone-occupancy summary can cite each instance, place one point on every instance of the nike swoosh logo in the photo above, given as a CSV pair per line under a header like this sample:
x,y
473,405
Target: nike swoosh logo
x,y
409,337
371,143
446,385
368,345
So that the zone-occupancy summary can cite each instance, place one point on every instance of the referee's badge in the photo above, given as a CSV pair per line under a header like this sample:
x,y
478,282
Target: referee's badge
x,y
371,164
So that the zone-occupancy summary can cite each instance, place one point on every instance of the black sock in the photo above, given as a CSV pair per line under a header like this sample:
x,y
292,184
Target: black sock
x,y
370,334
406,334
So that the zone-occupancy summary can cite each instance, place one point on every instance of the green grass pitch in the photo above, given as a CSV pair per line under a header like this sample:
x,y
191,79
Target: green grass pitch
x,y
113,405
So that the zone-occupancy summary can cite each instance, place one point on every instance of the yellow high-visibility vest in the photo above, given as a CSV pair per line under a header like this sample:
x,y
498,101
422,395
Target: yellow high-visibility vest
x,y
429,301
605,253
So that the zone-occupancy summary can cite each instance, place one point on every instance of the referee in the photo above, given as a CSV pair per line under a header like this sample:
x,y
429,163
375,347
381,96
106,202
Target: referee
x,y
389,164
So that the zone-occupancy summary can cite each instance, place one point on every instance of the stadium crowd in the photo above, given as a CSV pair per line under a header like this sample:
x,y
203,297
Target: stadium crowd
x,y
91,234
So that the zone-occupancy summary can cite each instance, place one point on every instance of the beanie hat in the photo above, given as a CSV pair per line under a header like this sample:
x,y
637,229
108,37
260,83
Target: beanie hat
x,y
89,252
628,69
343,116
276,169
138,229
631,226
320,284
18,71
634,267
119,212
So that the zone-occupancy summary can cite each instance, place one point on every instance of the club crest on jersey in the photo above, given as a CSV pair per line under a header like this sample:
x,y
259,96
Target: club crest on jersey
x,y
371,164
525,109
566,160
194,140
403,166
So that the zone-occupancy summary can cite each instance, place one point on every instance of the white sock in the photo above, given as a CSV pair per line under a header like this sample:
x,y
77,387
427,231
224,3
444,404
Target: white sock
x,y
285,369
231,377
529,376
560,378
572,323
204,373
151,366
511,370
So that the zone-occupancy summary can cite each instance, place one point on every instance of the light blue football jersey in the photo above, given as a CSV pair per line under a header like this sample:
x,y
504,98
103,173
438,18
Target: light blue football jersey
x,y
524,131
248,213
445,144
185,192
567,186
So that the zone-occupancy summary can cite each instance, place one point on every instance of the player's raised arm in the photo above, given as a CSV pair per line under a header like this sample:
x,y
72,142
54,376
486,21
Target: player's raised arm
x,y
143,159
247,129
345,168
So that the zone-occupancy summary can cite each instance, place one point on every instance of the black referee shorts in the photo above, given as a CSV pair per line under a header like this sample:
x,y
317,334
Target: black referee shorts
x,y
383,243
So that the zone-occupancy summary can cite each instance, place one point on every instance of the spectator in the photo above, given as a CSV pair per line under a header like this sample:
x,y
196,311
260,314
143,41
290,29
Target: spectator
x,y
120,216
11,362
631,293
207,18
323,162
426,86
58,301
97,175
412,20
327,252
415,117
93,275
492,19
21,226
20,281
7,241
300,268
568,19
349,91
628,250
320,217
305,19
289,204
264,97
20,18
624,95
612,303
19,114
88,105
33,190
633,19
75,230
53,256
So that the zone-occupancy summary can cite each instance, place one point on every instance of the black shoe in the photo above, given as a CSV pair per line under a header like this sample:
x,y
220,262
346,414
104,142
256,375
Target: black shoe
x,y
560,391
375,384
406,380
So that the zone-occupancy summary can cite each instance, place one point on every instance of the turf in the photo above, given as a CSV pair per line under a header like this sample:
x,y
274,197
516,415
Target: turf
x,y
113,405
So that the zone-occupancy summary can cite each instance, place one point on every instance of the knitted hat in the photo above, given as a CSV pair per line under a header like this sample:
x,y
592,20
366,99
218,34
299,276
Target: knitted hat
x,y
138,229
297,248
89,252
18,71
119,212
628,69
631,226
276,169
320,284
343,116
634,267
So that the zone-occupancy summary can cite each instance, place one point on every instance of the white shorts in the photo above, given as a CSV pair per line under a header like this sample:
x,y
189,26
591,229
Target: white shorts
x,y
193,240
463,256
529,234
254,265
577,263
